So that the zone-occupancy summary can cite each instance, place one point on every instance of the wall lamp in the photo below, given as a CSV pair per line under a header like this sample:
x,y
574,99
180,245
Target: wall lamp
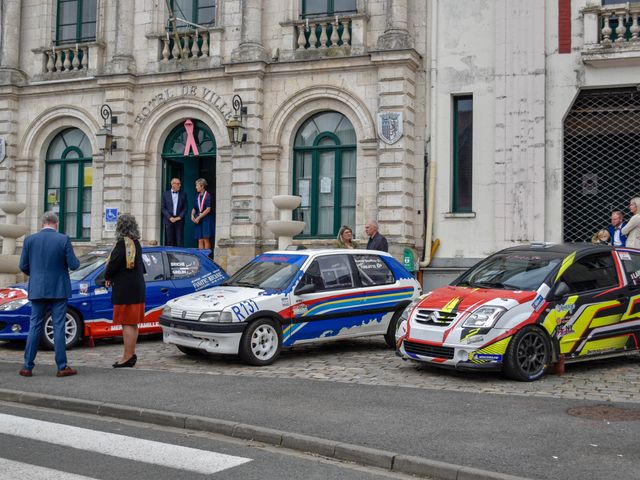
x,y
237,134
105,135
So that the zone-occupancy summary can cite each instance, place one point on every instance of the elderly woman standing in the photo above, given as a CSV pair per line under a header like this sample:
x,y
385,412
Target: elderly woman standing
x,y
345,238
125,274
632,228
201,216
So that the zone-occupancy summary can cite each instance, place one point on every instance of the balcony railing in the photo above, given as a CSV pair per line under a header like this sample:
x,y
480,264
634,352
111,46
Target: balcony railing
x,y
69,61
326,36
191,45
612,33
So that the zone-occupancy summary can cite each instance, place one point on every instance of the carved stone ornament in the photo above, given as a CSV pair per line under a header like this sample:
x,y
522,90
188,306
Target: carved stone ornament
x,y
390,127
3,149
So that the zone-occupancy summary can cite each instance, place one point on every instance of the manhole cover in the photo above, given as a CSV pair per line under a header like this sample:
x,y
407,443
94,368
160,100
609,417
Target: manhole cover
x,y
606,412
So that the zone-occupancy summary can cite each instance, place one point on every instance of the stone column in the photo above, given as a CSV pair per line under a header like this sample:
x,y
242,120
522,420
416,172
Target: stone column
x,y
397,168
10,13
9,106
396,34
270,187
250,48
122,60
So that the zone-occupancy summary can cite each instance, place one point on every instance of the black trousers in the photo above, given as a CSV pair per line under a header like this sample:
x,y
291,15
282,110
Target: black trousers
x,y
174,233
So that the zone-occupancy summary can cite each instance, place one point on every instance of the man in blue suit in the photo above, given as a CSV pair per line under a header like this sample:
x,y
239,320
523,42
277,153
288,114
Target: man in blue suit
x,y
47,257
615,229
174,208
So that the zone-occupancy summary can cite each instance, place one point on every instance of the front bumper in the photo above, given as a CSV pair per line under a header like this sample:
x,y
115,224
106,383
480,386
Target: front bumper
x,y
211,337
454,357
7,321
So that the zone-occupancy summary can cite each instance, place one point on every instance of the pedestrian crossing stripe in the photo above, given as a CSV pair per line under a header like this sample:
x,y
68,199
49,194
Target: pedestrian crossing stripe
x,y
12,470
120,446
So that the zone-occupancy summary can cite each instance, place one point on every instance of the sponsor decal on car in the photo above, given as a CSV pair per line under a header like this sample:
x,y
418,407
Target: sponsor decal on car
x,y
492,357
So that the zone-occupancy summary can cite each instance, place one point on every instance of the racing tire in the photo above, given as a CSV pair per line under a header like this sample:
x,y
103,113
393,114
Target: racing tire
x,y
72,330
528,355
390,336
189,351
261,342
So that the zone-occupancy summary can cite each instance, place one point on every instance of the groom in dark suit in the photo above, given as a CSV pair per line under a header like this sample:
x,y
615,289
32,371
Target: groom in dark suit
x,y
174,208
47,257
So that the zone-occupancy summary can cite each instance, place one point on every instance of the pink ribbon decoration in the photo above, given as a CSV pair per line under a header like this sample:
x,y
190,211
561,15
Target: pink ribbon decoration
x,y
191,142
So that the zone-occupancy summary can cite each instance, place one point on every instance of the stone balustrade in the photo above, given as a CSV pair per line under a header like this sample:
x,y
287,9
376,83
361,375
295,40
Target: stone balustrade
x,y
66,59
611,34
190,44
312,34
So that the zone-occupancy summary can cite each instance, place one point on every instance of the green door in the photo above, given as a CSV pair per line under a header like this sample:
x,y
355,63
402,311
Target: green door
x,y
189,168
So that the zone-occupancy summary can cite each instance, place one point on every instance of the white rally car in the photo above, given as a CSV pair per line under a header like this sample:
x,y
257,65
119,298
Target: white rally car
x,y
286,298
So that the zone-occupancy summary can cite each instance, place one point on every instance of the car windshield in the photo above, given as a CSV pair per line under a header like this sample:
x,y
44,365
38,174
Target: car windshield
x,y
88,264
265,274
514,270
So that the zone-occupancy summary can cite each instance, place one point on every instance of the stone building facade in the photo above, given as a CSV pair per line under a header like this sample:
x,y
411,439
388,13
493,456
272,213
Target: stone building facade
x,y
291,61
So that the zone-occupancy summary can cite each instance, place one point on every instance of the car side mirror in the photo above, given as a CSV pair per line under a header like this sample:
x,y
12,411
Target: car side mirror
x,y
561,290
306,288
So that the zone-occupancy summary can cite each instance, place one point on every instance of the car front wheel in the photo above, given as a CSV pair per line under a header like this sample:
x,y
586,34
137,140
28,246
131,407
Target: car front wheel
x,y
72,330
528,355
390,336
261,342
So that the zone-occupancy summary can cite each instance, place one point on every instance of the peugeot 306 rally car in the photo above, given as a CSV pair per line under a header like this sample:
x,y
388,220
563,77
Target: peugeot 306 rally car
x,y
286,298
527,307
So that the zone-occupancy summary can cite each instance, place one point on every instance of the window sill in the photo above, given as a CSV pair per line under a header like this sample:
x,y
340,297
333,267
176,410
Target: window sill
x,y
460,215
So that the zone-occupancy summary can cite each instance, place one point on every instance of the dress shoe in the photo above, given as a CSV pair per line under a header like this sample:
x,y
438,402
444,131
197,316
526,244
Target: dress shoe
x,y
25,373
66,372
128,364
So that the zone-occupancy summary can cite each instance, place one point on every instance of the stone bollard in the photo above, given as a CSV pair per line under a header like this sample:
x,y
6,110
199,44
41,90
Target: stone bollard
x,y
9,232
285,228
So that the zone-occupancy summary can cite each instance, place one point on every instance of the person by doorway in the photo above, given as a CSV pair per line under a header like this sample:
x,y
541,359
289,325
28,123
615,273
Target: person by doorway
x,y
174,209
202,216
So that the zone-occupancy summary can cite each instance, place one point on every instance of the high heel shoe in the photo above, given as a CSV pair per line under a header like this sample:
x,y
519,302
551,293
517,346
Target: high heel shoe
x,y
129,363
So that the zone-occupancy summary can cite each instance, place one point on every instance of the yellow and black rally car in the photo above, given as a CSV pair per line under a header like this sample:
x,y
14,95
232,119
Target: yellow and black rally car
x,y
527,307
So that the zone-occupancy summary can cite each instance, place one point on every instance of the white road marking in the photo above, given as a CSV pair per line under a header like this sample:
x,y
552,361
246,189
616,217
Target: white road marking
x,y
121,446
10,470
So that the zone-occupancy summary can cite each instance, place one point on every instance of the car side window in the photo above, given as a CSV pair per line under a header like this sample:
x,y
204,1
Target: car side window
x,y
312,276
183,265
631,264
153,266
373,271
335,272
593,272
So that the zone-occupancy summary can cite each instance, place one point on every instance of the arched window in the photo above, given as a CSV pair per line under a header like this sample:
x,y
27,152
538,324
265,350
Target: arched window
x,y
324,172
68,182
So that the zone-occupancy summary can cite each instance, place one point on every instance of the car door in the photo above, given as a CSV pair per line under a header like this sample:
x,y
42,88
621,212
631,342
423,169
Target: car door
x,y
331,309
380,294
593,300
158,287
185,272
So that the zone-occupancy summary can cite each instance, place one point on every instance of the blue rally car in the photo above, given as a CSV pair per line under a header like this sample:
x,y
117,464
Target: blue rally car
x,y
170,272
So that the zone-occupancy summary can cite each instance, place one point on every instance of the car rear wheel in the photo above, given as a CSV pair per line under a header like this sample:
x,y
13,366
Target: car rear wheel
x,y
390,336
192,352
528,355
72,330
261,342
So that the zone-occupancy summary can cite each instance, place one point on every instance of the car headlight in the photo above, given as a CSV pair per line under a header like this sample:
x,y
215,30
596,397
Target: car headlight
x,y
166,311
218,317
16,304
407,311
484,317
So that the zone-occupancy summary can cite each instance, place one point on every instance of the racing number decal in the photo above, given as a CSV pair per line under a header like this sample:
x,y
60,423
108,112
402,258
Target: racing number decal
x,y
245,308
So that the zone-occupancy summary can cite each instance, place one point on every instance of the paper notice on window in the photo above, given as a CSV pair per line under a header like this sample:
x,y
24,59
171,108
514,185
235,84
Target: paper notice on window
x,y
325,185
303,191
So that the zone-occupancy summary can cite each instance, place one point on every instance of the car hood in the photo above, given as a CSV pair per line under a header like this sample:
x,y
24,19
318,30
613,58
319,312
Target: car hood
x,y
15,292
464,299
214,299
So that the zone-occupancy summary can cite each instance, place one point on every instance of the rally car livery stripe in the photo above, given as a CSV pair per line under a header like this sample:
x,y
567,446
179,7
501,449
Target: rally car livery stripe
x,y
566,263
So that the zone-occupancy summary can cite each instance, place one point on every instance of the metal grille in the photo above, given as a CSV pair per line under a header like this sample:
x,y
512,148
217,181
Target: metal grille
x,y
428,350
434,317
601,160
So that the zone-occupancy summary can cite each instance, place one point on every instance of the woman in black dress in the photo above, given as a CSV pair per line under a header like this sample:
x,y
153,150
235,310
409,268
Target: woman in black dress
x,y
125,274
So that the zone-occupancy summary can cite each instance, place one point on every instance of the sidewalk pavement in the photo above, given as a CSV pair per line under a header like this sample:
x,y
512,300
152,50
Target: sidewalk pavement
x,y
375,425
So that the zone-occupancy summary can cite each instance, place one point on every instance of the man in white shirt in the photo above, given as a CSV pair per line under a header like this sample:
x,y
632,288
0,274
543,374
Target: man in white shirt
x,y
174,208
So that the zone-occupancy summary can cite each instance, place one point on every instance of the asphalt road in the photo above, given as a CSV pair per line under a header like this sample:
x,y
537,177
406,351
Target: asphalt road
x,y
519,435
77,447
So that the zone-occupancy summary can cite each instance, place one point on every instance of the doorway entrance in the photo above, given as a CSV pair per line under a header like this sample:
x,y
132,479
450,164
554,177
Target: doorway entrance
x,y
188,168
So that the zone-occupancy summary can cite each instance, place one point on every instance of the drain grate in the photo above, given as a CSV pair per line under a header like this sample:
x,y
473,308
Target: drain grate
x,y
606,412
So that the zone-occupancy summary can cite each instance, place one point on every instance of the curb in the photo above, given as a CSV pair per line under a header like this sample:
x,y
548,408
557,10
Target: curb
x,y
372,457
